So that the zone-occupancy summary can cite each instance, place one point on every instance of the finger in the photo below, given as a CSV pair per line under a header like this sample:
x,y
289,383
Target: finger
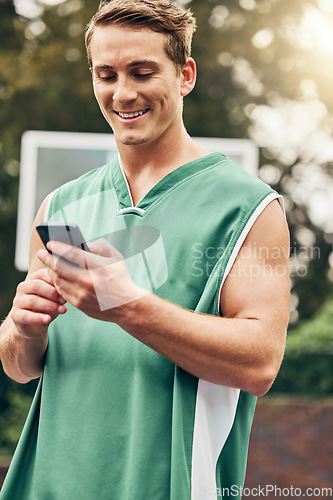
x,y
40,274
66,260
81,258
102,247
75,260
30,318
40,288
26,318
107,254
38,304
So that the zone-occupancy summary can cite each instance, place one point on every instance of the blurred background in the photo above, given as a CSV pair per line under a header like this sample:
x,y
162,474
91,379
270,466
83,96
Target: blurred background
x,y
265,73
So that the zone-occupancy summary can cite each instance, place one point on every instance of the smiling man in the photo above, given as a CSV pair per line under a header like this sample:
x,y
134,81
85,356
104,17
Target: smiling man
x,y
149,369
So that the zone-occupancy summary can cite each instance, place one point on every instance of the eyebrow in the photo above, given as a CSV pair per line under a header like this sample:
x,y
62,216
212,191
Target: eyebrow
x,y
147,62
134,64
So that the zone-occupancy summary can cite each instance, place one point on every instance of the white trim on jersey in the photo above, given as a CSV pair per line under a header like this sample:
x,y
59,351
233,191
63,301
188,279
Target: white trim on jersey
x,y
216,405
214,417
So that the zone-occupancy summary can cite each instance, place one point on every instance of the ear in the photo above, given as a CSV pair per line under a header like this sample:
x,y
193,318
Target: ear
x,y
188,77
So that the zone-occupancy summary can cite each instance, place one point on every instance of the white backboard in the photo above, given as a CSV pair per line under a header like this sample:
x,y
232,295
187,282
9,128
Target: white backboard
x,y
49,159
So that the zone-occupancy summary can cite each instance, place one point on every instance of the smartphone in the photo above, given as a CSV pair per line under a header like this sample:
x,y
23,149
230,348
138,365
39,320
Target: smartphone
x,y
66,233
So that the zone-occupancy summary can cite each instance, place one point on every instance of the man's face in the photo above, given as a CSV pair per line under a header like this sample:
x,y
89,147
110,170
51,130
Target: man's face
x,y
136,84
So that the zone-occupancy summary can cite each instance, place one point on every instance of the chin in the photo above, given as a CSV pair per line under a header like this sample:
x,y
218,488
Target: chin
x,y
132,141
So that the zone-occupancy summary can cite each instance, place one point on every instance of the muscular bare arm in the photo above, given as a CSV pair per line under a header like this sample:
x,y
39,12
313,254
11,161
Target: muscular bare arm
x,y
23,334
245,347
242,349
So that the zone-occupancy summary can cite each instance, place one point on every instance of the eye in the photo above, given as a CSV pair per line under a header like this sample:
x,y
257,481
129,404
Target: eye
x,y
108,78
143,76
105,76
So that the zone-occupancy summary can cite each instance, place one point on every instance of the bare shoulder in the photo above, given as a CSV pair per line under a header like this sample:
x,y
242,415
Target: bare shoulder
x,y
270,228
260,275
35,241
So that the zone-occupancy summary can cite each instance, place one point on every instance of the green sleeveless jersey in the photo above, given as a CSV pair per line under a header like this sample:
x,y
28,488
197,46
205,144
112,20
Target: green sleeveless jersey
x,y
112,418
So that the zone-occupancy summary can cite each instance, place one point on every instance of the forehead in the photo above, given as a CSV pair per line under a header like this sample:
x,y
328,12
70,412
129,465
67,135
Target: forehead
x,y
112,45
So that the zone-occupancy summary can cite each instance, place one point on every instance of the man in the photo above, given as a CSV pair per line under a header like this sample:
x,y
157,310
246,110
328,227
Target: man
x,y
150,364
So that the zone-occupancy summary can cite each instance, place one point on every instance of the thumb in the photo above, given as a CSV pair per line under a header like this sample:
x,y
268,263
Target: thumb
x,y
103,248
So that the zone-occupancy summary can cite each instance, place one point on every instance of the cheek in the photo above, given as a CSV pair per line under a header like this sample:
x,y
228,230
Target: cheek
x,y
101,95
171,101
169,97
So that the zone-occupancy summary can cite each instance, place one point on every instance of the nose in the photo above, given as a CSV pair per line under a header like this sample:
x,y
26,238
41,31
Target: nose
x,y
124,91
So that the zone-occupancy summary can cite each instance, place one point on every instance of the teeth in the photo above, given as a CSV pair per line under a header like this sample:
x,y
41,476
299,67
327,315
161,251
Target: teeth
x,y
132,115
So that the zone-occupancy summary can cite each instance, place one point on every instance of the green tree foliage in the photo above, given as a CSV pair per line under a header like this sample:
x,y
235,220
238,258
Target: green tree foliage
x,y
257,53
255,57
308,364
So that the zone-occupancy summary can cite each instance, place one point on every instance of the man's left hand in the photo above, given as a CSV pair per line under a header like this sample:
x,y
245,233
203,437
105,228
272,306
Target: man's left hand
x,y
96,282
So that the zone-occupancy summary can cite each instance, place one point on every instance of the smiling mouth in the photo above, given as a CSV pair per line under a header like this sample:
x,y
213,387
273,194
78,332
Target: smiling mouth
x,y
129,116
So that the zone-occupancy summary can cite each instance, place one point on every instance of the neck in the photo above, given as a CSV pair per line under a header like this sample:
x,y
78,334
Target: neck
x,y
160,157
147,164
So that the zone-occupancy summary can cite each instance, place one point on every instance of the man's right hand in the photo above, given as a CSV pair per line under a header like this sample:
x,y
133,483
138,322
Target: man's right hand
x,y
36,304
24,333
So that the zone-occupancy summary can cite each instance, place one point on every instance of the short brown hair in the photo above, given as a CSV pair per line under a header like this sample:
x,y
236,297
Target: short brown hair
x,y
158,15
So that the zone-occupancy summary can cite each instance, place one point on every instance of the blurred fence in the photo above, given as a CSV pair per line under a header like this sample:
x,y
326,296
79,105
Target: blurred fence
x,y
291,448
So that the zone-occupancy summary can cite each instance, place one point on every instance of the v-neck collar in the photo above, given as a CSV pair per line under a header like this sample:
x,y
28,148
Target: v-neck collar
x,y
165,184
